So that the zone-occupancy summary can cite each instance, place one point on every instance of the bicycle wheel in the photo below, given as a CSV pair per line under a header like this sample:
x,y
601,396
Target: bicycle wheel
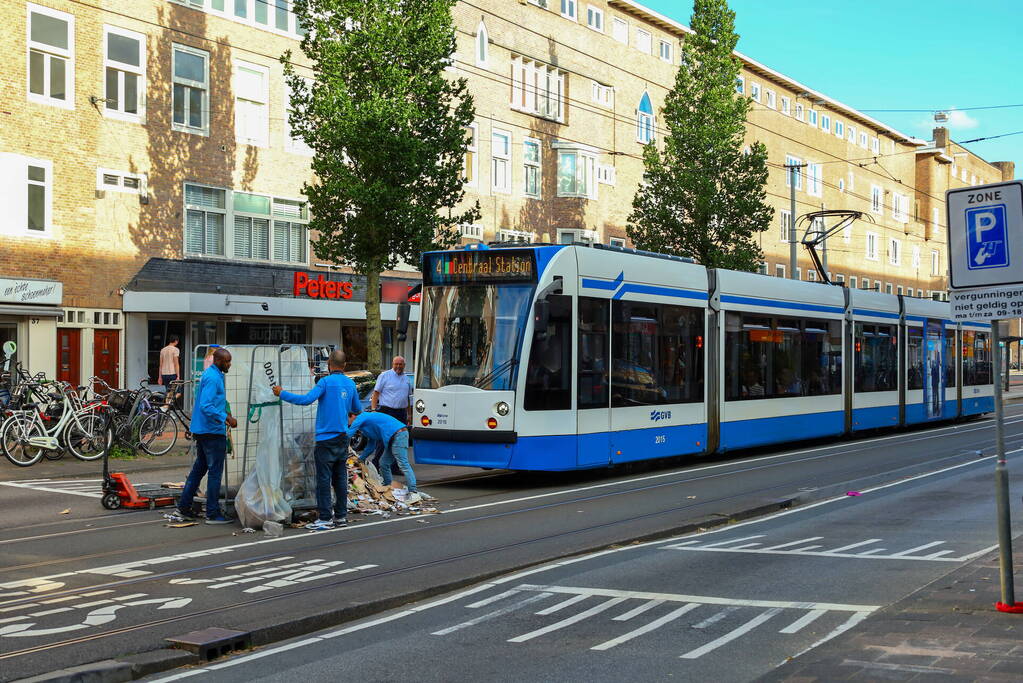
x,y
158,432
86,437
14,436
120,425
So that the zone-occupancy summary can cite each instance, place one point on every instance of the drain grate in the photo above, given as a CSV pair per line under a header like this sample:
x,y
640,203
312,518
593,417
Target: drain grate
x,y
211,643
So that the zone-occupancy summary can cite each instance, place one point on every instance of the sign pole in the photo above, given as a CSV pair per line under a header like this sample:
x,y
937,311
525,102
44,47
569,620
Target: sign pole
x,y
1001,477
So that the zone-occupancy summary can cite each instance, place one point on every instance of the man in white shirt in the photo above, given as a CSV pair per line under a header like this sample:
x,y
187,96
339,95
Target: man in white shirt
x,y
392,396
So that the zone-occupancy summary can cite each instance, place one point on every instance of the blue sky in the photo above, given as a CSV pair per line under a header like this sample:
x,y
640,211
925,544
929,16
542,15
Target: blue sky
x,y
898,54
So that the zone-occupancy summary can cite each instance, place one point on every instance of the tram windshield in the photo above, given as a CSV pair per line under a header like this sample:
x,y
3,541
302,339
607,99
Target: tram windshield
x,y
472,334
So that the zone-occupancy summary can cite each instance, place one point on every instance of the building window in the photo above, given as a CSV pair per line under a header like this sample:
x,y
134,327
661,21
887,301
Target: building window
x,y
779,270
935,262
291,233
51,53
620,30
900,208
482,45
500,169
770,99
786,106
251,226
595,18
471,230
644,43
537,89
205,215
531,167
871,254
786,224
888,288
568,9
793,161
799,112
812,117
754,91
38,178
813,179
664,48
506,235
119,181
292,142
601,94
470,166
839,129
251,104
825,122
916,256
762,268
606,174
811,275
577,236
935,217
863,139
191,90
847,233
740,84
876,201
852,282
894,252
875,145
852,134
616,242
124,60
645,120
576,170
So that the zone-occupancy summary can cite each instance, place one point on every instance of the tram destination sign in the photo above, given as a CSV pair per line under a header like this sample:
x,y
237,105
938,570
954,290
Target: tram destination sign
x,y
985,235
485,266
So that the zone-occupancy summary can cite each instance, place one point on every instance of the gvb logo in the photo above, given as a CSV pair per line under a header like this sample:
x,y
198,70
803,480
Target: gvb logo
x,y
986,233
658,415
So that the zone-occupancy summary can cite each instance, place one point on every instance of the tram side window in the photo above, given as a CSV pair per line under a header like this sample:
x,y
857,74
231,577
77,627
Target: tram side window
x,y
914,358
876,352
774,357
594,352
657,354
976,358
950,357
549,374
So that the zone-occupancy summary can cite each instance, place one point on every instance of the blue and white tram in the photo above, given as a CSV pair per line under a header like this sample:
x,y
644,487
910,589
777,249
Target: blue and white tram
x,y
574,357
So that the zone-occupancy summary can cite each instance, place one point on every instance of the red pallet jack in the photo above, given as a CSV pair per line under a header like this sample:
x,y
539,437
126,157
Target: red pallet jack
x,y
119,492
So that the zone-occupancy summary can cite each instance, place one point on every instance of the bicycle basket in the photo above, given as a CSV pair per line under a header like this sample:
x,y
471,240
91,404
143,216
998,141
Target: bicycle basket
x,y
120,400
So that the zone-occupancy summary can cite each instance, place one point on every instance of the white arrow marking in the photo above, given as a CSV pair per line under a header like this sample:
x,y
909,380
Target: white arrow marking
x,y
96,617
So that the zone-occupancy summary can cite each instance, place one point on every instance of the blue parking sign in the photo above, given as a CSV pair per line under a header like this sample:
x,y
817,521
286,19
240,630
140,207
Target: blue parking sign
x,y
987,237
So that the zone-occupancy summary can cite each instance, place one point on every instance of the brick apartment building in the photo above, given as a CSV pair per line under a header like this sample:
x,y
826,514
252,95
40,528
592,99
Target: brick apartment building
x,y
152,187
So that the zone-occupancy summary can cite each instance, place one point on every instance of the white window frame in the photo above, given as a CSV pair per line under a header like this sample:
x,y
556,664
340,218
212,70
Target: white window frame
x,y
811,117
262,139
616,242
811,275
601,94
103,173
14,198
529,164
847,232
538,89
569,10
839,129
606,174
825,122
863,139
482,45
665,51
877,200
230,228
894,251
875,145
888,288
779,270
900,208
226,212
792,161
122,69
291,30
916,256
509,235
620,30
50,52
786,106
785,216
740,85
814,179
935,218
870,241
899,290
644,41
204,128
585,168
770,99
293,144
275,218
500,160
853,282
471,230
851,129
474,149
754,91
595,18
935,263
800,113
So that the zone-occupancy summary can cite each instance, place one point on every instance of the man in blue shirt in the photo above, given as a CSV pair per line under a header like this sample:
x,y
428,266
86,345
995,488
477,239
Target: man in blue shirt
x,y
209,417
337,398
379,428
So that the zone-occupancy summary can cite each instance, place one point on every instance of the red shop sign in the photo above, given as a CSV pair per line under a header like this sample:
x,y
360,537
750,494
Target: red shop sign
x,y
320,288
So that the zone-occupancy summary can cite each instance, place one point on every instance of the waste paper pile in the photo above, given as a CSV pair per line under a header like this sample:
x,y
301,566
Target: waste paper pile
x,y
367,494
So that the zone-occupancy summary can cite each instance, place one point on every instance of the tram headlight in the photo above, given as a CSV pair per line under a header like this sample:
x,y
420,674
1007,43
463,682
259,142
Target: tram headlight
x,y
502,408
420,406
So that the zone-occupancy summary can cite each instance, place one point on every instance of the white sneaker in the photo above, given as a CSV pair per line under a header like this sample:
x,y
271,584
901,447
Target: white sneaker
x,y
413,498
320,525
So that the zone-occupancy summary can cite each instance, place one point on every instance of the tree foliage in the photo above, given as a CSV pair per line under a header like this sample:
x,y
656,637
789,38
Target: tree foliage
x,y
388,129
702,196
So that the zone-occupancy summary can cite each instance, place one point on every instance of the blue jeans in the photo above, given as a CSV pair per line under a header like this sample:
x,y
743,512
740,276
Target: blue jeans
x,y
332,472
210,452
397,452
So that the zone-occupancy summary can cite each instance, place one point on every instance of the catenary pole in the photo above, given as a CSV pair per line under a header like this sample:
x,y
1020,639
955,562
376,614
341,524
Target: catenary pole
x,y
1001,476
793,176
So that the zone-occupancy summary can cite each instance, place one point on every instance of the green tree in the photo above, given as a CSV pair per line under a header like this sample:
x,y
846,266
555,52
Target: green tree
x,y
702,196
388,130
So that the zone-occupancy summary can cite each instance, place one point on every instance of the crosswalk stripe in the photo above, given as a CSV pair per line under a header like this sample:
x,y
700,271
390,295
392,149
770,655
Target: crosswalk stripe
x,y
802,621
562,605
731,635
568,622
652,626
638,610
491,615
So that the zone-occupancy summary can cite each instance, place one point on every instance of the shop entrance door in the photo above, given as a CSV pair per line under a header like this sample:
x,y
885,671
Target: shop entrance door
x,y
69,355
104,357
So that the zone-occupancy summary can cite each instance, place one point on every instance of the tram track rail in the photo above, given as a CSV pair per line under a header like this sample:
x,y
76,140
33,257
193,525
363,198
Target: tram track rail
x,y
960,456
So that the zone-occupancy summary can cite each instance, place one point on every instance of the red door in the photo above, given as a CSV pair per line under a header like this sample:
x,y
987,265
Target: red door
x,y
69,354
105,357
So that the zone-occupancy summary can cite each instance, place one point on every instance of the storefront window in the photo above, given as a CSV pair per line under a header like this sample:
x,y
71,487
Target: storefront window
x,y
265,333
159,332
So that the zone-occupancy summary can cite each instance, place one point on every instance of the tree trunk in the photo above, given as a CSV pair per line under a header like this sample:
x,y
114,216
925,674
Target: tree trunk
x,y
373,341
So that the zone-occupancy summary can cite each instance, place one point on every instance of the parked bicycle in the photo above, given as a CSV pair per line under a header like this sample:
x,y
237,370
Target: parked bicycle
x,y
143,419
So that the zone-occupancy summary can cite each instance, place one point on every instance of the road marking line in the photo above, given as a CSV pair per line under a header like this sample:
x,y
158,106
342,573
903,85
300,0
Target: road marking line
x,y
938,554
493,598
732,540
679,545
871,552
652,626
806,552
562,605
839,630
638,610
731,635
786,545
491,615
802,621
715,618
973,556
855,545
805,549
744,545
597,609
91,604
51,490
919,547
56,610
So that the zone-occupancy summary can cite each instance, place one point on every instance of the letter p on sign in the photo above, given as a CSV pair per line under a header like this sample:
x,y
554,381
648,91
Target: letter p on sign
x,y
988,245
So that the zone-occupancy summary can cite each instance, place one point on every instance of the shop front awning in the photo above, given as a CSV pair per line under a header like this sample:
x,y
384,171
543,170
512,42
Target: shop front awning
x,y
31,311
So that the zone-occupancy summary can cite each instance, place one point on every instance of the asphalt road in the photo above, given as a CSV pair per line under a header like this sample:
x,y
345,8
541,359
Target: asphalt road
x,y
77,589
728,605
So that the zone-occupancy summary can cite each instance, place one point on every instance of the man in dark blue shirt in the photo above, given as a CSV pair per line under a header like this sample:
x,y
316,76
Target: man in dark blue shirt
x,y
337,398
379,428
209,417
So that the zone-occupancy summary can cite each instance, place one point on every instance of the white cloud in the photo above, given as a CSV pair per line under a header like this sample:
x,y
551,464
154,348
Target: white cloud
x,y
961,120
